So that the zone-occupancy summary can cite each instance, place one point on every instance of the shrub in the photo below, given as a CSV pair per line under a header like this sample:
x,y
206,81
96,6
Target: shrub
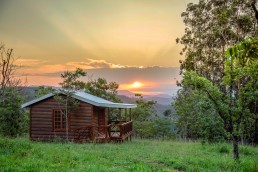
x,y
223,149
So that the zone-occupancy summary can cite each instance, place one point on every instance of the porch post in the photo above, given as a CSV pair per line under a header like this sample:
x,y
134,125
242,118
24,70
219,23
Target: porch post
x,y
130,114
125,115
108,116
120,115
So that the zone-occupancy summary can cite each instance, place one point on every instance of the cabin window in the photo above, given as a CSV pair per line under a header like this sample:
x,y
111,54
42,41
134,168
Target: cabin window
x,y
59,121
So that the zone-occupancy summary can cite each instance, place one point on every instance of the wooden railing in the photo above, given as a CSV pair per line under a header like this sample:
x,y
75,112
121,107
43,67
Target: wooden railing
x,y
121,131
92,134
103,133
83,134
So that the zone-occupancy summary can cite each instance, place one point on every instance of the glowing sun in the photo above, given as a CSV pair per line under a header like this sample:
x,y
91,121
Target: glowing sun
x,y
136,84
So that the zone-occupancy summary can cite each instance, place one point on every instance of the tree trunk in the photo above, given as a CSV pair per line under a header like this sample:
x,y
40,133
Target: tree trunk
x,y
235,147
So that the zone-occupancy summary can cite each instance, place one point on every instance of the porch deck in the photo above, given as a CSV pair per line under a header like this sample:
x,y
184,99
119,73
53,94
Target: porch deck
x,y
106,133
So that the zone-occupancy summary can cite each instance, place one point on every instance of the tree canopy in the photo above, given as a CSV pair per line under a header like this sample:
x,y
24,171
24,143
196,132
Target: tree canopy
x,y
220,48
211,28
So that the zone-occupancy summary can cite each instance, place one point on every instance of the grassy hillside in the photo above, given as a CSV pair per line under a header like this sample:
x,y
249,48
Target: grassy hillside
x,y
138,155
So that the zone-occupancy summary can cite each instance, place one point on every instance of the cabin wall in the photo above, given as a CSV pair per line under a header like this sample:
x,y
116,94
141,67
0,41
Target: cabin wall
x,y
41,122
99,117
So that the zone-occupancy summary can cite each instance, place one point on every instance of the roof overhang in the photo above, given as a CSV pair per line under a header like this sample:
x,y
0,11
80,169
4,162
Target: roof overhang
x,y
27,104
87,98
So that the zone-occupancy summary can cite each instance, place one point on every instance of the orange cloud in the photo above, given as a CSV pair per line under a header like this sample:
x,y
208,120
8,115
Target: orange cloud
x,y
37,67
95,64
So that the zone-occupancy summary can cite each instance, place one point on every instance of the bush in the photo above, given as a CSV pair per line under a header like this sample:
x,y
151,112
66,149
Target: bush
x,y
245,151
13,121
223,149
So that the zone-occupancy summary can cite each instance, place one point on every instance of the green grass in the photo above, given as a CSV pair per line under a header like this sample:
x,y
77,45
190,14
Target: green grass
x,y
138,155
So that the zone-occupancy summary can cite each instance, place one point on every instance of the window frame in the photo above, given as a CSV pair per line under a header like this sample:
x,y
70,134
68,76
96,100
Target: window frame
x,y
62,128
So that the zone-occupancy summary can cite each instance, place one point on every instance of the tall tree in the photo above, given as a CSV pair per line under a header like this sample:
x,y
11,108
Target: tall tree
x,y
11,116
101,88
197,117
7,70
241,83
70,84
212,26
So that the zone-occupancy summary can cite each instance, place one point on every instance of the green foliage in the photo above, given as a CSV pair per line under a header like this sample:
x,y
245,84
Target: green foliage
x,y
43,90
142,116
101,88
197,117
211,28
70,84
224,149
64,97
155,128
143,129
139,155
163,128
144,110
167,113
240,89
71,80
13,121
241,69
147,124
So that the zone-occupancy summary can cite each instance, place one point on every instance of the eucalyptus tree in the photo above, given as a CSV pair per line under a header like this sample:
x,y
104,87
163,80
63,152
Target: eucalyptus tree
x,y
12,118
8,70
102,88
212,26
241,82
70,84
197,117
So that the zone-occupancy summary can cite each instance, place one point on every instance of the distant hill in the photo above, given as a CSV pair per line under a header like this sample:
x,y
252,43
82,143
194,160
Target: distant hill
x,y
27,93
126,93
163,99
162,104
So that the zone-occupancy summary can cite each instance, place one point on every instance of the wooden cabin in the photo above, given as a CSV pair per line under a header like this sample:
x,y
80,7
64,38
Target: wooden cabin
x,y
90,122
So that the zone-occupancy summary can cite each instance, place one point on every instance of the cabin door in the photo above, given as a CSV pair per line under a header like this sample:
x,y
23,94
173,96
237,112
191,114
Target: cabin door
x,y
101,118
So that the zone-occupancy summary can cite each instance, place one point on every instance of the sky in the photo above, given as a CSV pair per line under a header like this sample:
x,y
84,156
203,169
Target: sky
x,y
131,42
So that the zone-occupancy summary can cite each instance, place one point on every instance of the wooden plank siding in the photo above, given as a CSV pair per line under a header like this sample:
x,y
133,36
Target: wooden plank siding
x,y
97,118
41,122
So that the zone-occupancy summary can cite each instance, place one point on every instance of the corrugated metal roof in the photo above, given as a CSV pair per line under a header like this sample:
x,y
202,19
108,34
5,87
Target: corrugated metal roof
x,y
87,98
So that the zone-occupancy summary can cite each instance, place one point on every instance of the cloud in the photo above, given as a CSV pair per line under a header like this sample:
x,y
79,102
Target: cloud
x,y
34,67
95,64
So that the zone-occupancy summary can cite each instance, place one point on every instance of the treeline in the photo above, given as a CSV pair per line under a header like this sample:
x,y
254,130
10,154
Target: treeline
x,y
218,99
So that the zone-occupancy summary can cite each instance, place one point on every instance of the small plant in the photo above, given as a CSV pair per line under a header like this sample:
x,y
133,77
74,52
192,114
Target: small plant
x,y
223,149
245,151
203,142
179,166
58,139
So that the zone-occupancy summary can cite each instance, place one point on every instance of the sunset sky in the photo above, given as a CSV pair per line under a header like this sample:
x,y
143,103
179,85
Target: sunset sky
x,y
131,42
